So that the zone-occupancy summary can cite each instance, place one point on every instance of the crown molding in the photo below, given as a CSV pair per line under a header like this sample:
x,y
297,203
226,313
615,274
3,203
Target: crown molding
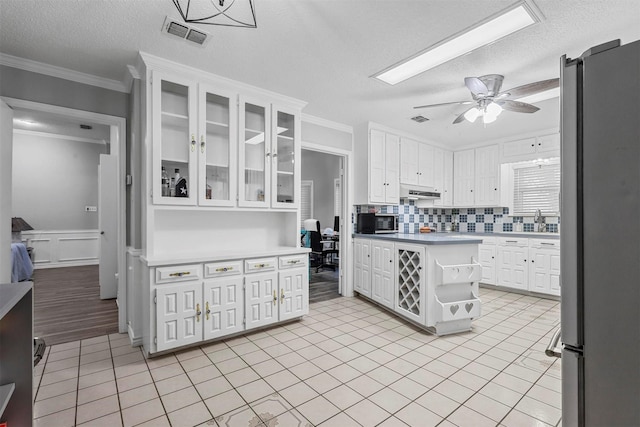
x,y
129,76
58,136
327,123
62,73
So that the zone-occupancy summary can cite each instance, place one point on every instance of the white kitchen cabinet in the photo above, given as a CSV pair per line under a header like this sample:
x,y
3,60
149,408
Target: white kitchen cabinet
x,y
487,258
175,126
268,155
487,176
443,177
416,163
276,296
261,299
178,315
409,283
531,148
513,265
544,268
217,146
194,134
223,306
384,165
362,266
463,178
294,293
382,272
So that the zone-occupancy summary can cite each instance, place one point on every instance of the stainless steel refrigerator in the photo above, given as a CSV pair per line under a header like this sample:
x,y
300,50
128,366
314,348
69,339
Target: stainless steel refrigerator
x,y
600,236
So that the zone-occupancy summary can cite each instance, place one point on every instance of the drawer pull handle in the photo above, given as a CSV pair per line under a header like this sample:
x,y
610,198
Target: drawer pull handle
x,y
260,266
207,310
511,241
193,143
180,274
223,269
281,296
198,312
275,297
545,243
202,144
293,261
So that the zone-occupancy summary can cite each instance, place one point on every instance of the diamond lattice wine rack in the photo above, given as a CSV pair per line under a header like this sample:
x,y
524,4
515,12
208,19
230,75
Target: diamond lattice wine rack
x,y
409,281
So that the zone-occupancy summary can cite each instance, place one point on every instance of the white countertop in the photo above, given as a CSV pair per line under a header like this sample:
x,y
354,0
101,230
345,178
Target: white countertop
x,y
11,293
427,238
217,255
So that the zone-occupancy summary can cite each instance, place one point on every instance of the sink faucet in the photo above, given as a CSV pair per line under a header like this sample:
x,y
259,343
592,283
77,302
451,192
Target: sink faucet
x,y
540,220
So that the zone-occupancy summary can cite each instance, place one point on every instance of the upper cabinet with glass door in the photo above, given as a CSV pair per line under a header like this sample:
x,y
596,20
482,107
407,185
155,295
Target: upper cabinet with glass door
x,y
268,155
254,153
217,147
174,140
285,156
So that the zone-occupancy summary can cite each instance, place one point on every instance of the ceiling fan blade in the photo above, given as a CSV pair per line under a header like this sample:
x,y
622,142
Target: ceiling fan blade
x,y
517,106
531,88
460,118
476,86
444,103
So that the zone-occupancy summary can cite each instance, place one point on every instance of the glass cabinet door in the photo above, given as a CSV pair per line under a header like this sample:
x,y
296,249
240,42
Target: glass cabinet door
x,y
174,140
285,155
217,148
255,153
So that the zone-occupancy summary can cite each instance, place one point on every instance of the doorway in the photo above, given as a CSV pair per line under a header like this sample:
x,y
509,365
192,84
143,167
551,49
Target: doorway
x,y
322,200
67,183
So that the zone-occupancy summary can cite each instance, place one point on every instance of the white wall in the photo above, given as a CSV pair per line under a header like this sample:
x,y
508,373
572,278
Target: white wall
x,y
322,169
53,180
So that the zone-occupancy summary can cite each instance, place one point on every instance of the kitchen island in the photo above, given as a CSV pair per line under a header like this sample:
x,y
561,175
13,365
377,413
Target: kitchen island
x,y
429,279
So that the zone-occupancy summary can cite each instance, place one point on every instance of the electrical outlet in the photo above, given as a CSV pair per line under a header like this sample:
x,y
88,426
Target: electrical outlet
x,y
91,209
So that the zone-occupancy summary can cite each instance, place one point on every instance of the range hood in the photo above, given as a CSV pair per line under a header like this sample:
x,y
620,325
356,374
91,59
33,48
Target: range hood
x,y
416,193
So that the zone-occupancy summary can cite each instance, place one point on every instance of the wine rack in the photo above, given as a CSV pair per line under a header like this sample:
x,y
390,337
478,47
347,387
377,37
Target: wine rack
x,y
409,282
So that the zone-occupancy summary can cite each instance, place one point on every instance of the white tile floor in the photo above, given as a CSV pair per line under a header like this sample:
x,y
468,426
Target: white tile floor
x,y
348,363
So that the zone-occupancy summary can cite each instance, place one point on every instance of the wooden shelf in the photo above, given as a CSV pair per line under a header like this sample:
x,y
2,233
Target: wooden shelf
x,y
285,173
174,115
211,122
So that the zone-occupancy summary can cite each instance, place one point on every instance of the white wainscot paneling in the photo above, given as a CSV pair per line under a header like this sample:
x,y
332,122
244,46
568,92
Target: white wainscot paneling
x,y
63,248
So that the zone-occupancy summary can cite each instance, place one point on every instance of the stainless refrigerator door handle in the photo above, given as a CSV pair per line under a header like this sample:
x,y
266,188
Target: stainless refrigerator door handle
x,y
552,349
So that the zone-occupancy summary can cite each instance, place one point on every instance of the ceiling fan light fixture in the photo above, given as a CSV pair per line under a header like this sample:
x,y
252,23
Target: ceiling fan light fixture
x,y
502,24
493,109
472,114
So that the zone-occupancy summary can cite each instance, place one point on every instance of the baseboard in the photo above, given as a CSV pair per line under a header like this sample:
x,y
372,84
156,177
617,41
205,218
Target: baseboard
x,y
38,266
135,341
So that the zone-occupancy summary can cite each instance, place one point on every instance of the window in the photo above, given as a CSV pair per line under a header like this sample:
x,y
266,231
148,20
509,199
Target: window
x,y
536,186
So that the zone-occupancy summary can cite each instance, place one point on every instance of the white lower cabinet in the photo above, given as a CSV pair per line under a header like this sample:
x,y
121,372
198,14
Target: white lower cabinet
x,y
382,272
223,308
513,267
178,315
487,258
544,268
195,307
522,263
362,266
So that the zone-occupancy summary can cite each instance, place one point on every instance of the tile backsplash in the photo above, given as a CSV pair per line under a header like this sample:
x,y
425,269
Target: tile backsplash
x,y
480,220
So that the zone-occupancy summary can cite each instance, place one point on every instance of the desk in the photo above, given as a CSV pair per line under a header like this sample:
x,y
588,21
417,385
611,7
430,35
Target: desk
x,y
331,245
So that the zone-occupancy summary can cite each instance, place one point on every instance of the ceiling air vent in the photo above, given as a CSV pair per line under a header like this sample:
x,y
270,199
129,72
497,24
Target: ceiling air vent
x,y
185,32
419,119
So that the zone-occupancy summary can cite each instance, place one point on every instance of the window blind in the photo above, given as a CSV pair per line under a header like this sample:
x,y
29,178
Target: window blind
x,y
337,197
537,187
306,202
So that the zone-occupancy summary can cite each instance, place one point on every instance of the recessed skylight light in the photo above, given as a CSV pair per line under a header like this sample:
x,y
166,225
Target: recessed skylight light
x,y
517,17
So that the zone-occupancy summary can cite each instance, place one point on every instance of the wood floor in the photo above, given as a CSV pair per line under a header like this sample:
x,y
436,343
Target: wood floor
x,y
323,286
67,305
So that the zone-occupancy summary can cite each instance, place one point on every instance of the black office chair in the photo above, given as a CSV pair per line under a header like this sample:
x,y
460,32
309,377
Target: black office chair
x,y
319,253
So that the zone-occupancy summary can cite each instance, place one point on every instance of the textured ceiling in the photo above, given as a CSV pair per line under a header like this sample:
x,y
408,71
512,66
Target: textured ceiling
x,y
324,51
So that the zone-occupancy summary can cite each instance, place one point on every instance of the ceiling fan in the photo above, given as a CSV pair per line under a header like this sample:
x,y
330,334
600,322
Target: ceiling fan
x,y
489,101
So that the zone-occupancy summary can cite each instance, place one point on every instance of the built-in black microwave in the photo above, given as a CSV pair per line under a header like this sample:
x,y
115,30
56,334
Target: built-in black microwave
x,y
372,223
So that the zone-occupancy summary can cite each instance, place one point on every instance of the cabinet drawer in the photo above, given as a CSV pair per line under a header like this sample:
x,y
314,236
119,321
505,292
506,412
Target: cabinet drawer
x,y
293,261
513,241
227,268
179,273
259,264
489,240
544,244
